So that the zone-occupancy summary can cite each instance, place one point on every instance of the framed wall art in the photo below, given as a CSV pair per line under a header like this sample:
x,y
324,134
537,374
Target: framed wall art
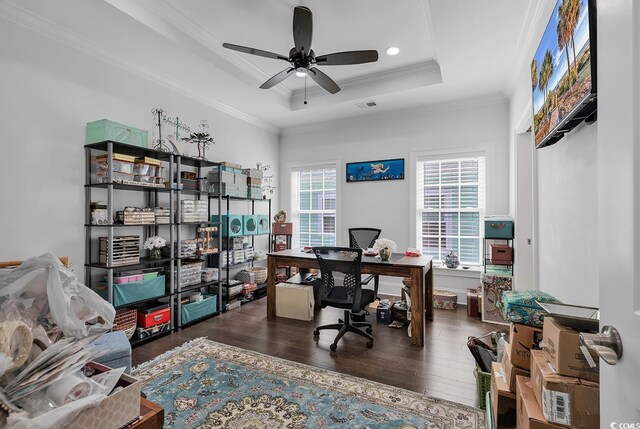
x,y
368,171
492,289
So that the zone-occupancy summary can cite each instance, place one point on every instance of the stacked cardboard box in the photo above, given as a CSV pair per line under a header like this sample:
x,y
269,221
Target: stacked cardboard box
x,y
563,390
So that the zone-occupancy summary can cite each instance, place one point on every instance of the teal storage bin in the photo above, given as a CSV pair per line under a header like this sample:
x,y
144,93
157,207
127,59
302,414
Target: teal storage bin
x,y
264,225
104,129
498,227
232,228
127,293
519,306
249,224
196,310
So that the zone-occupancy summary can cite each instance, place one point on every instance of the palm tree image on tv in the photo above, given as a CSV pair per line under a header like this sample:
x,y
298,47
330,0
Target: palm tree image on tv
x,y
561,67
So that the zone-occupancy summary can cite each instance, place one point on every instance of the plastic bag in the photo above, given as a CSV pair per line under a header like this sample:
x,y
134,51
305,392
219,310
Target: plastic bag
x,y
42,292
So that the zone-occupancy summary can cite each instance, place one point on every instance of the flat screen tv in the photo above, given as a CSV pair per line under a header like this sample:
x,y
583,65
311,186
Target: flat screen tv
x,y
563,72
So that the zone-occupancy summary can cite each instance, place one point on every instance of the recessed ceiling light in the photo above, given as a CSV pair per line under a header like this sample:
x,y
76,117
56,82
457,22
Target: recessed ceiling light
x,y
394,50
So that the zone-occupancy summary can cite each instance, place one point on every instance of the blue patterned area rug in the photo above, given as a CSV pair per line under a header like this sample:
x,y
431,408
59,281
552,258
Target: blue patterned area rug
x,y
204,384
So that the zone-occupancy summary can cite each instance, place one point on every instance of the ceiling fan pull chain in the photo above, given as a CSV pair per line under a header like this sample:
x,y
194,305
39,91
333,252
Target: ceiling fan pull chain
x,y
305,88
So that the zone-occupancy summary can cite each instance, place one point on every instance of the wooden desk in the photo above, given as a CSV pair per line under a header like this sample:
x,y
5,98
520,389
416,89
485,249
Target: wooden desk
x,y
418,268
152,416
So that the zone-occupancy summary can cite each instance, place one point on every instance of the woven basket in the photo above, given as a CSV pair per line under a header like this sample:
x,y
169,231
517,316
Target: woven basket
x,y
125,320
259,274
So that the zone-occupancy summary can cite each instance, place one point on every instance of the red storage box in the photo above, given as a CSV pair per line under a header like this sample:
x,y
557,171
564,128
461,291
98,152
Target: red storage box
x,y
151,317
280,246
282,228
501,254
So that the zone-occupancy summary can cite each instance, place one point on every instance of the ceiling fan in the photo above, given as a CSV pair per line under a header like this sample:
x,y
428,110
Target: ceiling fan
x,y
302,58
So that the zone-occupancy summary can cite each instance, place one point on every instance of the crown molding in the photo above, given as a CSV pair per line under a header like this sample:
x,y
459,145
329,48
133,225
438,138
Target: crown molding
x,y
45,27
406,113
420,74
525,41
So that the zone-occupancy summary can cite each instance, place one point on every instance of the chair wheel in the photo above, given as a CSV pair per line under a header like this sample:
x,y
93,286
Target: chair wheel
x,y
334,346
369,330
369,344
316,334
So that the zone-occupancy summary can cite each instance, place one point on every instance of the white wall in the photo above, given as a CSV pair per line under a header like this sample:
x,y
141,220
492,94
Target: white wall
x,y
566,204
468,124
49,92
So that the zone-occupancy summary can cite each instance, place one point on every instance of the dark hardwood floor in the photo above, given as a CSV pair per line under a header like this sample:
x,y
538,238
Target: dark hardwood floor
x,y
443,368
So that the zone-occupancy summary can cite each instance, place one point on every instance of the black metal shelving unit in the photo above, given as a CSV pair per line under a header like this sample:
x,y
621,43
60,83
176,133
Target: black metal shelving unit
x,y
228,266
153,195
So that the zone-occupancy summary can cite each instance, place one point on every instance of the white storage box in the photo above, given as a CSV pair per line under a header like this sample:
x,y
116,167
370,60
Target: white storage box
x,y
294,301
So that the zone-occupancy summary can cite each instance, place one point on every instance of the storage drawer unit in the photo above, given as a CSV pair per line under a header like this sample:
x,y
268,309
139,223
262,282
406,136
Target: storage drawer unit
x,y
282,228
249,224
127,293
197,310
501,254
150,317
498,227
231,225
263,224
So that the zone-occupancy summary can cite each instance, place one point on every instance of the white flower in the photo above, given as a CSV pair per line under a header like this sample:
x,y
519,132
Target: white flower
x,y
384,243
154,242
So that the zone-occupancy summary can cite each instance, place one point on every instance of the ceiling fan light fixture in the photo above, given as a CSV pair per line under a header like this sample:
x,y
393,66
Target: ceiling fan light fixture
x,y
393,50
301,72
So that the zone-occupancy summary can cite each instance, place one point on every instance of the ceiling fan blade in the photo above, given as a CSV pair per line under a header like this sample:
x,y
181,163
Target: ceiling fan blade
x,y
254,51
348,57
324,81
273,81
302,29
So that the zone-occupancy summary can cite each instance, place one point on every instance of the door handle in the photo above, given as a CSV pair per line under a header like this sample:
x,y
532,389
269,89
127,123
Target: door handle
x,y
607,344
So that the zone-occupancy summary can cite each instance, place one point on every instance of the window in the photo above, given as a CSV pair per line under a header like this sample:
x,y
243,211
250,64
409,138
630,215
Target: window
x,y
451,204
314,206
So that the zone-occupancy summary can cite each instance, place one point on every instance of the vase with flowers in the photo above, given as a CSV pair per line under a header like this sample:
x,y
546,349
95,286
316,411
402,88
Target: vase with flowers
x,y
154,245
385,248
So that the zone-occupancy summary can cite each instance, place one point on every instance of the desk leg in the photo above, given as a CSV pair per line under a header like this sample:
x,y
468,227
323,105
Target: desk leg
x,y
271,286
428,305
417,306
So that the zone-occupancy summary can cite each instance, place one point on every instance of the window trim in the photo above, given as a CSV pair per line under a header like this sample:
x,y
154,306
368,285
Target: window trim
x,y
293,167
442,154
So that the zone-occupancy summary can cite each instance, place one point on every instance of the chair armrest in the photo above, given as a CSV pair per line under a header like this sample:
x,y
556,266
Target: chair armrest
x,y
366,280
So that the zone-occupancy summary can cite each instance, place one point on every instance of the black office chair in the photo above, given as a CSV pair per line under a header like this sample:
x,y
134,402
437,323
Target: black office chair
x,y
364,238
340,269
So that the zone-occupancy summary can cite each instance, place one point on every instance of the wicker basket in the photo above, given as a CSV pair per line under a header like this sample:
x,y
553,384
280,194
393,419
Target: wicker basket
x,y
246,276
259,274
125,320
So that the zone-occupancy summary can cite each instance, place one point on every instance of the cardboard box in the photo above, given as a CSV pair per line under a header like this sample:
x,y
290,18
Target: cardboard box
x,y
564,400
529,413
511,371
294,301
522,339
116,410
561,347
503,402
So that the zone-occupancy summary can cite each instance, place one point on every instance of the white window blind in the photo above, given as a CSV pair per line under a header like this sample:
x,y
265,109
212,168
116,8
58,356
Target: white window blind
x,y
314,206
451,205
